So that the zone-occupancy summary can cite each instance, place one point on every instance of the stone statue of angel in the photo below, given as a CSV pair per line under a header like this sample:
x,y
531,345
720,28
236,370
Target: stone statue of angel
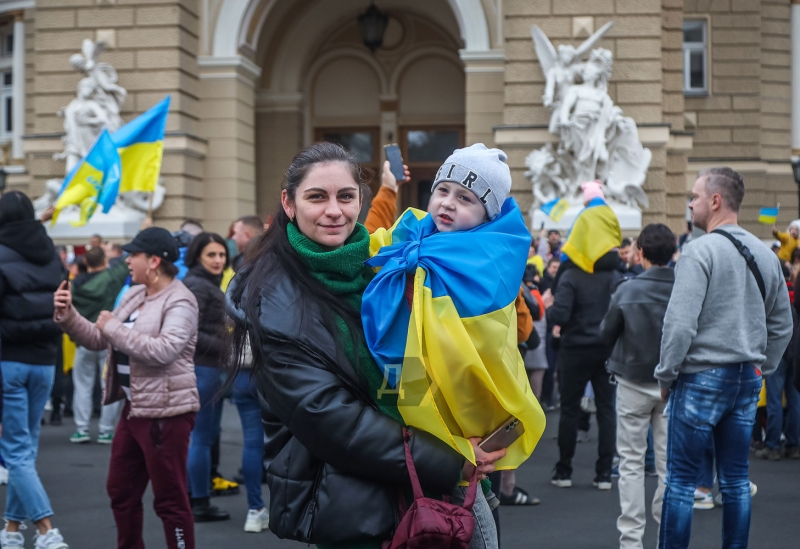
x,y
560,69
96,107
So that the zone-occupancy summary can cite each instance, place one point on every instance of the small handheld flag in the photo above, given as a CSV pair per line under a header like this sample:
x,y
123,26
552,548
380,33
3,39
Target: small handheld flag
x,y
556,208
769,216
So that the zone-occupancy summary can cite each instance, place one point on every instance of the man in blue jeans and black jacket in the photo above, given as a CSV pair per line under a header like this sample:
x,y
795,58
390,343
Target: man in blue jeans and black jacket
x,y
728,321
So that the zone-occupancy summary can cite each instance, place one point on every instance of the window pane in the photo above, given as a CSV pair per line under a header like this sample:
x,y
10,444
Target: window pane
x,y
9,115
424,193
9,44
696,70
7,78
431,146
358,143
693,31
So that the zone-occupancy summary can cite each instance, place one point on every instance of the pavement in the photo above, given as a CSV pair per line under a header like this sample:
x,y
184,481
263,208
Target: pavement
x,y
577,517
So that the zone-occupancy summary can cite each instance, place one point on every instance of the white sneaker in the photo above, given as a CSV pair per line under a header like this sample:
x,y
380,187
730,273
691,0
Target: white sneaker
x,y
257,520
703,501
51,540
3,475
11,540
753,492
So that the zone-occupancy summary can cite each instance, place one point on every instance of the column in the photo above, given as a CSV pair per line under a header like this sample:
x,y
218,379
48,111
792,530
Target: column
x,y
485,98
18,68
227,121
795,77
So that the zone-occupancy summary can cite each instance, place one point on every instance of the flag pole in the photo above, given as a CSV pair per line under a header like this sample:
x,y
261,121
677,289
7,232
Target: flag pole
x,y
150,204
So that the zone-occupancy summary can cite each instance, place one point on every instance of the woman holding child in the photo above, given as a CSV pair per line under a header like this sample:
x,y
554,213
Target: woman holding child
x,y
334,440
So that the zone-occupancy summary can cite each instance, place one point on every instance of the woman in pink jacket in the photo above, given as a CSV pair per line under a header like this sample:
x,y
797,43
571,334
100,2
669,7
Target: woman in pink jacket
x,y
150,339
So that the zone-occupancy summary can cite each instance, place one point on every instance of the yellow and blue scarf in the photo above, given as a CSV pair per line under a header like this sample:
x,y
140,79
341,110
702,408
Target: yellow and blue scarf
x,y
451,358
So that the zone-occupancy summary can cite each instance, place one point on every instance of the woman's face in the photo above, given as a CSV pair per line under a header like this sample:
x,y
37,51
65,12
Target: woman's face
x,y
326,204
138,264
212,258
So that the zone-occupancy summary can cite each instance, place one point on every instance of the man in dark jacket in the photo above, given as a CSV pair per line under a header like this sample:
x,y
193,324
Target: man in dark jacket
x,y
92,292
633,325
578,307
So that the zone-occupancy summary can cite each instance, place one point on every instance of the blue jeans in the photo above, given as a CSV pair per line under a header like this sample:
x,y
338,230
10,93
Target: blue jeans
x,y
780,384
246,399
650,454
26,388
205,431
718,407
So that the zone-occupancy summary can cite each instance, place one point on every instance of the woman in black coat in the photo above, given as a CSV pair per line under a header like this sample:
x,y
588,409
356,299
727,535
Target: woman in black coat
x,y
207,259
30,271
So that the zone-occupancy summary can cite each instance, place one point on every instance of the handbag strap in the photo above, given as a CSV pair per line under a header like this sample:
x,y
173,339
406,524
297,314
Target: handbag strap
x,y
748,258
472,489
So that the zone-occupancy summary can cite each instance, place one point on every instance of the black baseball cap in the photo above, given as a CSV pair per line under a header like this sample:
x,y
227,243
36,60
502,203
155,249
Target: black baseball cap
x,y
154,241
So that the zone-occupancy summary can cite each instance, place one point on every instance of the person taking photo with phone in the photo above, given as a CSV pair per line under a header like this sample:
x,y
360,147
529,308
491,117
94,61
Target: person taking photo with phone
x,y
150,337
336,455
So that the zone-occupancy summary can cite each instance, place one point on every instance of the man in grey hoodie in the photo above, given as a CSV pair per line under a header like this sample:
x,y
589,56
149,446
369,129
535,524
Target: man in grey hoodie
x,y
723,328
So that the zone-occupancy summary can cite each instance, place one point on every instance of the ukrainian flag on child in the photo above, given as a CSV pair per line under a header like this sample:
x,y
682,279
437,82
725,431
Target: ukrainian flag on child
x,y
594,233
129,160
449,351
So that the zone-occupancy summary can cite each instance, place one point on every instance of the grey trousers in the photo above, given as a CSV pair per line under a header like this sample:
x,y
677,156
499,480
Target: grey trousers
x,y
89,364
485,536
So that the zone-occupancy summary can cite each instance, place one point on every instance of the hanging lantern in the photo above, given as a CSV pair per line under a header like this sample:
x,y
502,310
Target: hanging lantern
x,y
373,25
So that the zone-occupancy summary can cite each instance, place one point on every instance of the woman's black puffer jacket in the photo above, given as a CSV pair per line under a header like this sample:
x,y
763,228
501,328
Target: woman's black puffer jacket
x,y
30,272
336,464
212,328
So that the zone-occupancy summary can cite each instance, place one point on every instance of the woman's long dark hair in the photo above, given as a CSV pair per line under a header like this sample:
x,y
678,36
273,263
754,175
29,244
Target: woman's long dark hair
x,y
199,243
273,252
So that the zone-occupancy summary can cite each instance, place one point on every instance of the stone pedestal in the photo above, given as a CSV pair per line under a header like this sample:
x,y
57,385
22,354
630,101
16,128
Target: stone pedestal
x,y
630,219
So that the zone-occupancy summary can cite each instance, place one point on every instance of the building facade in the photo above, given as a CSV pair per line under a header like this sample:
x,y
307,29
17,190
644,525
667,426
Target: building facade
x,y
708,82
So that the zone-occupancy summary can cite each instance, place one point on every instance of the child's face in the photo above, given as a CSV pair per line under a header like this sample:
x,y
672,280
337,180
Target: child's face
x,y
455,208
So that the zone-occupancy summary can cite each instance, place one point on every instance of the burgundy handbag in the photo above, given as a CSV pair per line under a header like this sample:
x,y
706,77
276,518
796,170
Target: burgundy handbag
x,y
430,523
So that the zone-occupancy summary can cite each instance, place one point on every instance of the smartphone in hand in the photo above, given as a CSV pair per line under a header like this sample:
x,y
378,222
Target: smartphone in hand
x,y
503,436
395,161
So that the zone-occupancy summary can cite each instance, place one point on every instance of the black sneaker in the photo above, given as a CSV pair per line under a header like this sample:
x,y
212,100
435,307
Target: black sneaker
x,y
602,482
55,418
208,513
561,480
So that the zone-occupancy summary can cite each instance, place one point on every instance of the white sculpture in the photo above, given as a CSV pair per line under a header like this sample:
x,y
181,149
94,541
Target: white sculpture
x,y
96,106
596,140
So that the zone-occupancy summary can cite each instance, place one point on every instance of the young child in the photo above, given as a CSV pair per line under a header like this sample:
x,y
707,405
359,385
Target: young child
x,y
439,316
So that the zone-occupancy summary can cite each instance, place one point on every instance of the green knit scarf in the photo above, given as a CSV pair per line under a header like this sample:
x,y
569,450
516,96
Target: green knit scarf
x,y
343,273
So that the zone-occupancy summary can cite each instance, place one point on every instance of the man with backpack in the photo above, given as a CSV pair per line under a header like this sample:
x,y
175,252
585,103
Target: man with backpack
x,y
728,321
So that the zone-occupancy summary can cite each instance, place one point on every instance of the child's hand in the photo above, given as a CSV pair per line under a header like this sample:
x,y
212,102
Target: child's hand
x,y
388,179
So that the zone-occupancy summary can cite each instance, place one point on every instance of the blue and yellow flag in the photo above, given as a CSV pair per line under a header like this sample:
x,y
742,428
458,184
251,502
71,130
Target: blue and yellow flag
x,y
141,148
449,349
594,233
129,160
769,216
93,181
556,208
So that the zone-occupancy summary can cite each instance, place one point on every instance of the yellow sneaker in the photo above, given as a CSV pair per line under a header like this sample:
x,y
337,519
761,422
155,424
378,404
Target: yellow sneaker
x,y
220,486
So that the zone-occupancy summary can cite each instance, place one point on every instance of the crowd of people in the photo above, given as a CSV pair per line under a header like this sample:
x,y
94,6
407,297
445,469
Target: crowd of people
x,y
683,349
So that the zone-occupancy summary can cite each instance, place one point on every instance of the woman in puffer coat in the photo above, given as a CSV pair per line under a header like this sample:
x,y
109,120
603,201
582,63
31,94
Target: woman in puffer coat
x,y
150,338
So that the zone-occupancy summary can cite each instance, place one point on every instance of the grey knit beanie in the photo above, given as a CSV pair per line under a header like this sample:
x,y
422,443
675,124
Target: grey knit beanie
x,y
483,171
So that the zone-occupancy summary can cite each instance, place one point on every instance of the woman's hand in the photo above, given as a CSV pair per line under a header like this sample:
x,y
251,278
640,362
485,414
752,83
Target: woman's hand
x,y
548,299
389,180
484,460
62,299
102,319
